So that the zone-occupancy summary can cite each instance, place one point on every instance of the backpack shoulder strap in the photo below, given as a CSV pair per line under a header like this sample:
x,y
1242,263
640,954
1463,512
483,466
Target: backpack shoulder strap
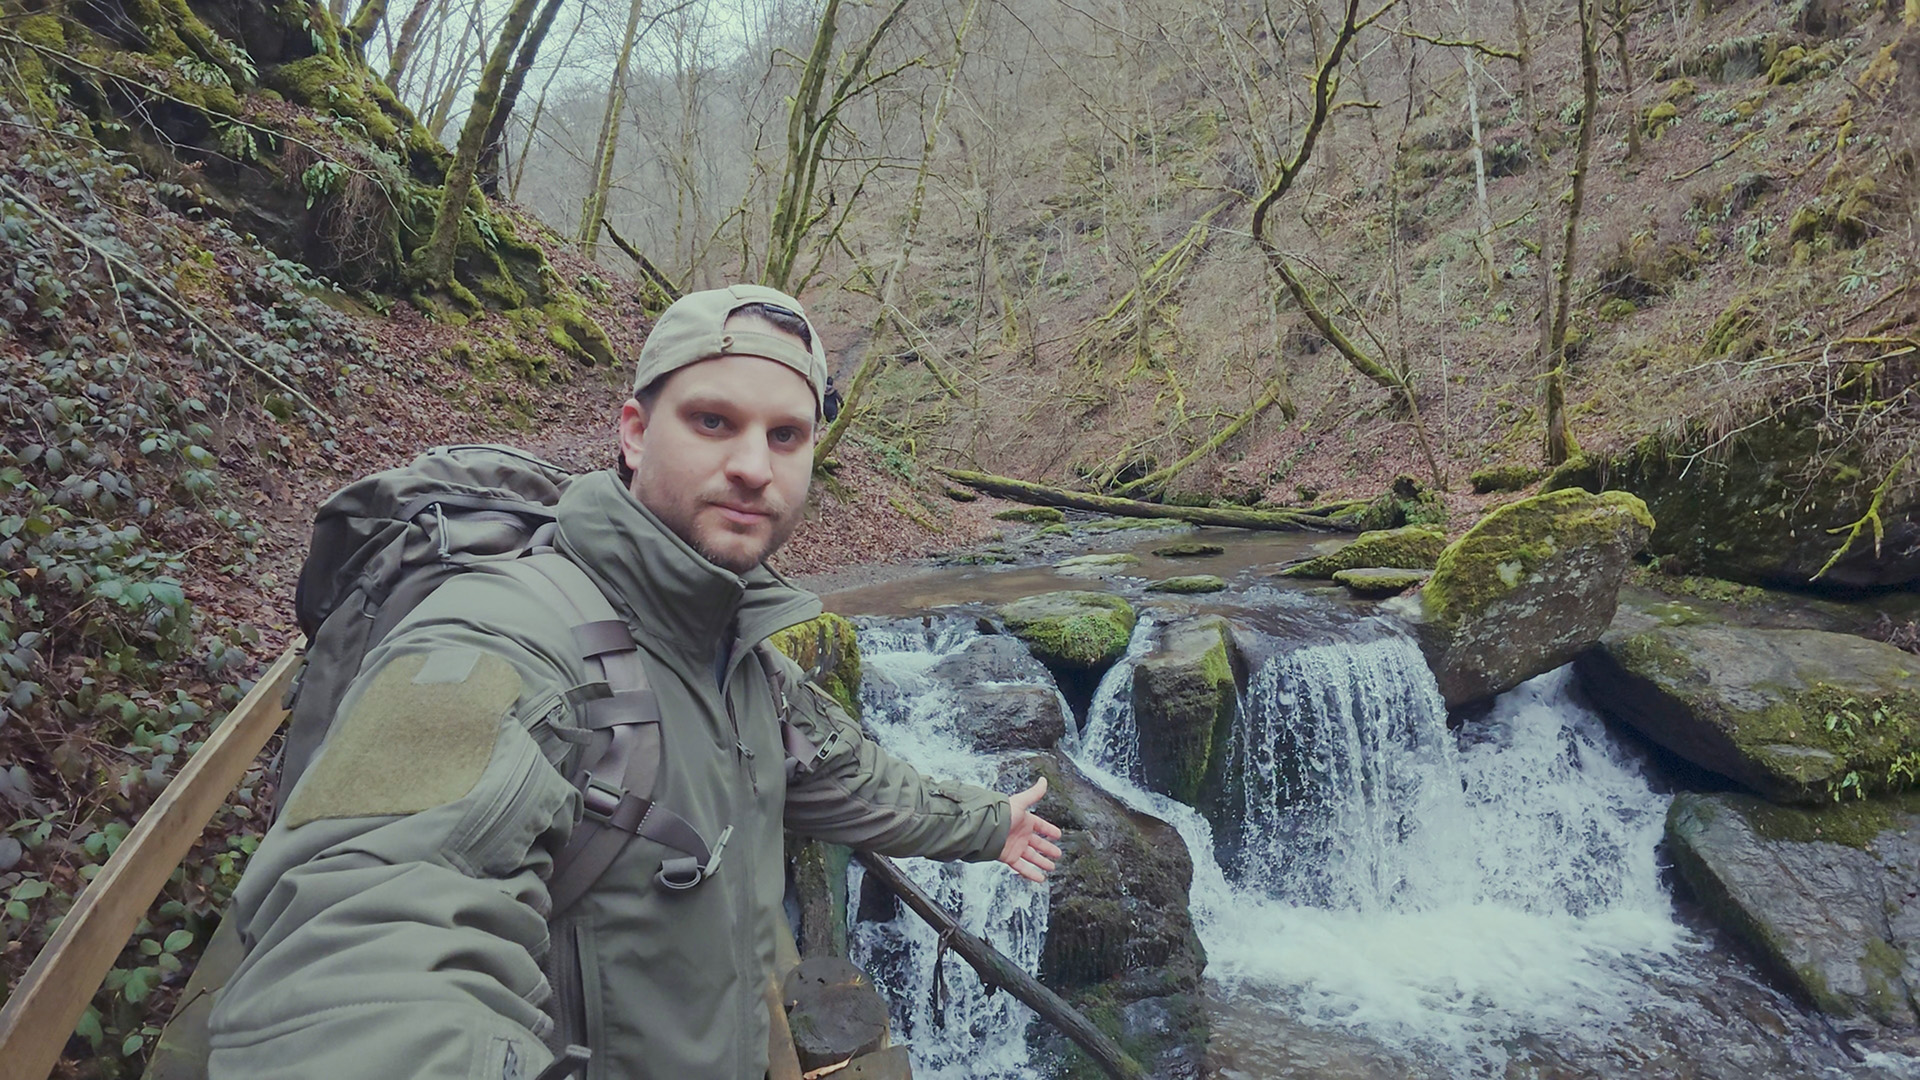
x,y
618,771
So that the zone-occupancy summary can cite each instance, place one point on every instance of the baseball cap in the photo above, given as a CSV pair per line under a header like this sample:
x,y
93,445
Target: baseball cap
x,y
694,329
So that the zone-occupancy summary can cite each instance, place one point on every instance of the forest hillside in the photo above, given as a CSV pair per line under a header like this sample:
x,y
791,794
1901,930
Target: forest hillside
x,y
1253,255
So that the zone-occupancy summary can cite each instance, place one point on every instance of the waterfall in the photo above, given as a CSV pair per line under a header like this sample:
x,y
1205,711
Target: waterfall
x,y
966,1032
1440,895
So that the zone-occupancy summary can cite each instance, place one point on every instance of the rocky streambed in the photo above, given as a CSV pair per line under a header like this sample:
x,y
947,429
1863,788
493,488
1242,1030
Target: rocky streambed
x,y
1299,847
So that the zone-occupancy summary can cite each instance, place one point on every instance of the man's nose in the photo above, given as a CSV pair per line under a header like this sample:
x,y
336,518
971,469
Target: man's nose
x,y
750,464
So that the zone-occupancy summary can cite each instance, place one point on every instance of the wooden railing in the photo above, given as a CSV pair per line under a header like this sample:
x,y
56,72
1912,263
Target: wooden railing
x,y
41,1014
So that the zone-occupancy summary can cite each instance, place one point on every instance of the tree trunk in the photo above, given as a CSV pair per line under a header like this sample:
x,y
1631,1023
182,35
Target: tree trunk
x,y
409,40
495,139
449,91
540,104
1042,495
997,970
1622,12
890,286
365,21
1483,237
436,261
608,144
1559,441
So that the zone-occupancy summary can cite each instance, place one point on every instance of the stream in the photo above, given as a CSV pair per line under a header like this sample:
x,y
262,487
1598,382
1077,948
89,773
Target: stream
x,y
1388,897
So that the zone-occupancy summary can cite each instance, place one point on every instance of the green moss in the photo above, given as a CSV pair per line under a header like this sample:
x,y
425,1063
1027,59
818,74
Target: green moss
x,y
1658,117
1192,583
1096,565
578,333
328,83
1102,526
1083,630
1411,548
1033,515
1854,823
1510,544
1503,478
828,648
1379,581
1189,550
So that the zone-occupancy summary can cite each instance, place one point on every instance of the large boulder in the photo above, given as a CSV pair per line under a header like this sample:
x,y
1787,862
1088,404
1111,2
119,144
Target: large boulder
x,y
1184,694
829,649
1011,716
1072,631
1120,941
1414,547
1830,899
1763,504
1800,716
1525,590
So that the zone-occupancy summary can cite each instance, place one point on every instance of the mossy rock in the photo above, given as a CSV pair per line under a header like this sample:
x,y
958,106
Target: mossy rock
x,y
960,494
828,648
1189,583
1184,695
1800,716
1375,582
1405,502
1503,478
1526,589
1077,631
1413,547
1102,526
1097,565
1829,899
1033,515
1189,550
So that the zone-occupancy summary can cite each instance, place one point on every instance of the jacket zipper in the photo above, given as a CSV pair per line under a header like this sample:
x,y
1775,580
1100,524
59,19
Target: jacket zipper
x,y
480,851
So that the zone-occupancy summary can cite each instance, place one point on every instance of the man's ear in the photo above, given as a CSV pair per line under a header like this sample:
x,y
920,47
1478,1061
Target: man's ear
x,y
633,426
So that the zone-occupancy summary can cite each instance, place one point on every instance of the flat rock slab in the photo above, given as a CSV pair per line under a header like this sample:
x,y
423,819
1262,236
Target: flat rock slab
x,y
1378,581
1829,898
1800,716
1191,583
1193,549
1096,565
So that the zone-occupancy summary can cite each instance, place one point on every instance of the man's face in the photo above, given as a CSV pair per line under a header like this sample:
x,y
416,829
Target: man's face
x,y
724,456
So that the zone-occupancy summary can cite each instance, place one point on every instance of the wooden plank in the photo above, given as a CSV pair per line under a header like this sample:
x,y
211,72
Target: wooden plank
x,y
40,1015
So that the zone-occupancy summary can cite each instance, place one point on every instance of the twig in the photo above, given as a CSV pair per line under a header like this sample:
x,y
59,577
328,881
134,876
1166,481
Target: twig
x,y
1871,517
147,283
1717,159
647,269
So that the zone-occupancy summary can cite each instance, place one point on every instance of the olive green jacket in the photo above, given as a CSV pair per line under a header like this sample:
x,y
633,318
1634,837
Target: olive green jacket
x,y
397,915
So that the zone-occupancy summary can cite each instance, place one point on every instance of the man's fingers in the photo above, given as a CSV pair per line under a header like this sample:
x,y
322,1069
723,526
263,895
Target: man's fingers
x,y
1044,827
1045,847
1039,860
1024,799
1030,872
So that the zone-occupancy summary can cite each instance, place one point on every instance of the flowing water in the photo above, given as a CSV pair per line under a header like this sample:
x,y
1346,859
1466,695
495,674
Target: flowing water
x,y
1385,897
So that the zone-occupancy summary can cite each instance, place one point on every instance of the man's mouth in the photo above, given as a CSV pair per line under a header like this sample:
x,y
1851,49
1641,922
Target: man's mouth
x,y
742,515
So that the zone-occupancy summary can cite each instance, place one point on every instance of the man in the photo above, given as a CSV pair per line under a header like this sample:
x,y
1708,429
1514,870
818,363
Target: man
x,y
399,916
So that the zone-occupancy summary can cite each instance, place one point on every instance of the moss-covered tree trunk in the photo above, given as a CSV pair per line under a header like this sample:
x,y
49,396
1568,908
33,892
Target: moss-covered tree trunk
x,y
496,137
1559,441
365,22
594,207
408,40
435,261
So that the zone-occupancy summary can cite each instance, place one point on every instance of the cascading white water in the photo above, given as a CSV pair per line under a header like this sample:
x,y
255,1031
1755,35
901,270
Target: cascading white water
x,y
967,1033
1439,898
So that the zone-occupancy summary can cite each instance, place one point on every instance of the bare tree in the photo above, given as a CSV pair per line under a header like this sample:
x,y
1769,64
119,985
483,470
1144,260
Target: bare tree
x,y
494,140
594,207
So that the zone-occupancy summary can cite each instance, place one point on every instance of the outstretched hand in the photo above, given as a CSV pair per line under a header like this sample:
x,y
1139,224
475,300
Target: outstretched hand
x,y
1030,847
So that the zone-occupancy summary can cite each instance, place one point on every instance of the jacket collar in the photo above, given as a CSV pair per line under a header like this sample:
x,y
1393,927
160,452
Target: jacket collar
x,y
669,594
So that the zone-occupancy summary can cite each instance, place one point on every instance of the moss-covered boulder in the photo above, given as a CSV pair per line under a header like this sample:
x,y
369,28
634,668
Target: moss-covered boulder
x,y
1376,582
1526,589
1829,899
1184,694
1189,583
829,650
1494,478
1120,943
1800,716
1073,631
1033,515
1762,504
1189,549
1405,502
1102,564
1412,547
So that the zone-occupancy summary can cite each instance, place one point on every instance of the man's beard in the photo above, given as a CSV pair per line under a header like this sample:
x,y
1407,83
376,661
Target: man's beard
x,y
781,519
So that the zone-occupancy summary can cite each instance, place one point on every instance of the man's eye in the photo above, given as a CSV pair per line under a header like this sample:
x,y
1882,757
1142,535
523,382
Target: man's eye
x,y
709,422
785,436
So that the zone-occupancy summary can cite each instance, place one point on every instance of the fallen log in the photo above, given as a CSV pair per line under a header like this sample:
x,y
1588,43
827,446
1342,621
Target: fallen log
x,y
1041,495
996,970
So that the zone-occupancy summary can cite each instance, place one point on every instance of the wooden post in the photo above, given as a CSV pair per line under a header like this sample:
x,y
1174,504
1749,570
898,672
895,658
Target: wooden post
x,y
44,1008
997,970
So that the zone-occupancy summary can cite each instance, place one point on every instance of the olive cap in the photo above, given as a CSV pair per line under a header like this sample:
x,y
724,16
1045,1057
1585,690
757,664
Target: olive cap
x,y
694,328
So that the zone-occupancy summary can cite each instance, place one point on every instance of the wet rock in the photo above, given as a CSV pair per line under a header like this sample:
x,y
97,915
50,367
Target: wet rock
x,y
1372,582
1002,716
992,658
1191,549
1191,583
834,1012
1525,590
1183,703
1119,933
1415,547
1100,565
1073,631
1762,506
828,648
1830,898
1800,716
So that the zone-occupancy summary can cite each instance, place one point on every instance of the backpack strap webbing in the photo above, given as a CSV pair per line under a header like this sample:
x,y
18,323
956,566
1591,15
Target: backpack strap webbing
x,y
622,761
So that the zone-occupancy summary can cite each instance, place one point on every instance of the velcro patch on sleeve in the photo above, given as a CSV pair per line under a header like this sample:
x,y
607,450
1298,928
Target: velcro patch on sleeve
x,y
419,737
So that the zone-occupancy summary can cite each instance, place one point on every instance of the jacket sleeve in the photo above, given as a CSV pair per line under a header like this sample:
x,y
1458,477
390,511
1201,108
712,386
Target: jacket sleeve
x,y
392,940
855,793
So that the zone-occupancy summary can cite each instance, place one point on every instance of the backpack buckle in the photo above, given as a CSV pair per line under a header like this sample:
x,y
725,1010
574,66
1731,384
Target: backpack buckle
x,y
599,799
686,872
